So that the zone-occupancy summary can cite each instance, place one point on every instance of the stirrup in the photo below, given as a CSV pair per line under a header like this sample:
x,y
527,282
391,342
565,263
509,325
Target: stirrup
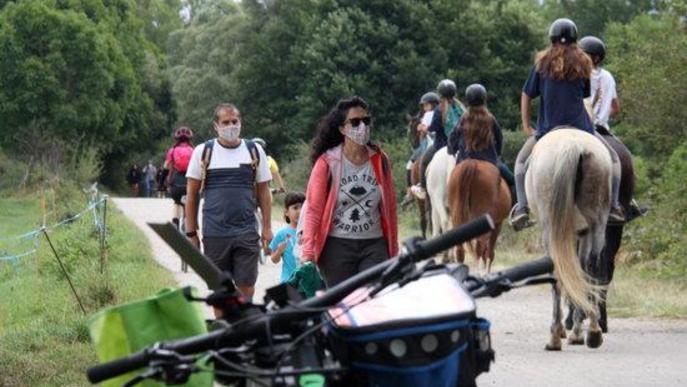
x,y
520,222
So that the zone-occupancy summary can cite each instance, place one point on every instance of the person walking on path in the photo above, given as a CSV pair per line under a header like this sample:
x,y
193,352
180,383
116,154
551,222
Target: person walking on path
x,y
349,219
233,175
176,162
282,245
161,181
149,173
133,177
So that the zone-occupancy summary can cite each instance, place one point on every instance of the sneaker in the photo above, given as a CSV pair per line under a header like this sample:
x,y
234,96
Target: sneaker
x,y
616,216
635,211
419,192
520,218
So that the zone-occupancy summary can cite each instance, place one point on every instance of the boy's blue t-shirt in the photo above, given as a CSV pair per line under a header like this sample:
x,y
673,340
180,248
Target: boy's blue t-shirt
x,y
289,261
562,102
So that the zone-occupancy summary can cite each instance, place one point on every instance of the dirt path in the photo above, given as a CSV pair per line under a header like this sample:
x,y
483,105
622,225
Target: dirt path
x,y
637,352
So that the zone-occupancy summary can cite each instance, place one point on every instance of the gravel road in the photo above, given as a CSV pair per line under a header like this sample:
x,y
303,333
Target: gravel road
x,y
636,352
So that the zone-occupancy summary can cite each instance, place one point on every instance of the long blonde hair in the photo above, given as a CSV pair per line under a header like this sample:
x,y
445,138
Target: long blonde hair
x,y
564,62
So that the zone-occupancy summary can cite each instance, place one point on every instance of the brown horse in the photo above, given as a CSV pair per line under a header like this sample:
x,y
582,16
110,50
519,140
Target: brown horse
x,y
475,187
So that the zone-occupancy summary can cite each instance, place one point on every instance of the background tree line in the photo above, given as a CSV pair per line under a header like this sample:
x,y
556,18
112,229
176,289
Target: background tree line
x,y
87,86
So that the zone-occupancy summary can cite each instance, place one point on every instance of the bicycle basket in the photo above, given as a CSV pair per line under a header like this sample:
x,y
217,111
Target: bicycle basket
x,y
121,330
423,334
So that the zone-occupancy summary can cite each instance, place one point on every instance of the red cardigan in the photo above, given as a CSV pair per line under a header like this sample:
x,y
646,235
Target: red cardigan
x,y
321,195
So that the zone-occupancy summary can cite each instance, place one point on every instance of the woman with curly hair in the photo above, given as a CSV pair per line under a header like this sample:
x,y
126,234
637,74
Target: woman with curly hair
x,y
561,77
349,220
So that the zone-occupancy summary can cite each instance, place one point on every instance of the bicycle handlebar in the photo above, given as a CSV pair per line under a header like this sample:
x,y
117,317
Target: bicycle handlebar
x,y
235,335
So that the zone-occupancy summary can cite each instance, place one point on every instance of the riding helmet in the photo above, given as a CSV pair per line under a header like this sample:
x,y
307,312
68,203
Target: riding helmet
x,y
593,46
563,31
447,88
476,95
183,133
431,98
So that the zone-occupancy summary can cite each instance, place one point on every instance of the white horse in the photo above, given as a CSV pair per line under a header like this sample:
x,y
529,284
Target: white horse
x,y
437,181
568,184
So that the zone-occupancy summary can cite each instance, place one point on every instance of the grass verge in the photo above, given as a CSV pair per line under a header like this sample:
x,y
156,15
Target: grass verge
x,y
43,333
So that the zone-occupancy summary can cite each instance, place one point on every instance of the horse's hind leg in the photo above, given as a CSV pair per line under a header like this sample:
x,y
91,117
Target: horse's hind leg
x,y
557,330
575,337
603,315
569,318
594,337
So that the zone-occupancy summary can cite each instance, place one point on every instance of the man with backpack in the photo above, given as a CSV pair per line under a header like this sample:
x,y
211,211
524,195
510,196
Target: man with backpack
x,y
176,162
233,176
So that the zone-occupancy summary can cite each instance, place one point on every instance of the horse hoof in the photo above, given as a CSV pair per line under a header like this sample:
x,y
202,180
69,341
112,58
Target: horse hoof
x,y
575,340
553,347
594,339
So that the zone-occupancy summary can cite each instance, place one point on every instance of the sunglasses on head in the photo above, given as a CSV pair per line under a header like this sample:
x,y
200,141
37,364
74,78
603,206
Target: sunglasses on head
x,y
356,121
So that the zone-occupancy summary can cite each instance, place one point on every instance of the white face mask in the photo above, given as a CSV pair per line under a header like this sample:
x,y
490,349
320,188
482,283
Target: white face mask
x,y
359,135
229,132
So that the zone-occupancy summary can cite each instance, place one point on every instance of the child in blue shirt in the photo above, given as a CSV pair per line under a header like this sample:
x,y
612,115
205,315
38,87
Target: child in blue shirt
x,y
284,241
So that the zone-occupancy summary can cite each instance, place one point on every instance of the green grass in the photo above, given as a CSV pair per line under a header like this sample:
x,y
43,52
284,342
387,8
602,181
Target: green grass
x,y
43,333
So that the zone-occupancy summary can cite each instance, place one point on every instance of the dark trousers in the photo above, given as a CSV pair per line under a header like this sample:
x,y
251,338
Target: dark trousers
x,y
343,258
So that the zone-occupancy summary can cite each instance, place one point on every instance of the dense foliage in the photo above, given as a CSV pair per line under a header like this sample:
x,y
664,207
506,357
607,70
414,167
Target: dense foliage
x,y
104,82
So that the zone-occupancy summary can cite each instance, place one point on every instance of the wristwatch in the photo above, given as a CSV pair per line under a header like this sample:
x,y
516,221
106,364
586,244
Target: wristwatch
x,y
191,234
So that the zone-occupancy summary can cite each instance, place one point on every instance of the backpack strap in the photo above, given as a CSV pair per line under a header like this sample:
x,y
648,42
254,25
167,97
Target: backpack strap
x,y
205,163
254,155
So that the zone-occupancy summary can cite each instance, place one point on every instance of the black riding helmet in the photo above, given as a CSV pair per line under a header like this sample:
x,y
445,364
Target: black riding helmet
x,y
430,97
447,88
476,95
563,31
593,46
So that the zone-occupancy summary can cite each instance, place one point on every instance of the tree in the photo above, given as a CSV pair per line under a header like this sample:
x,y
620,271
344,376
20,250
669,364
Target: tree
x,y
647,57
592,16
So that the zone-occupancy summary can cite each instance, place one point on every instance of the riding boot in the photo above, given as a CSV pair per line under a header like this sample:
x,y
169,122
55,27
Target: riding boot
x,y
617,215
635,211
520,214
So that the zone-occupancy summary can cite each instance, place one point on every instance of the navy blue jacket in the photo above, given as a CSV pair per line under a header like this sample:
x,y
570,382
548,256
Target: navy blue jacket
x,y
562,102
456,144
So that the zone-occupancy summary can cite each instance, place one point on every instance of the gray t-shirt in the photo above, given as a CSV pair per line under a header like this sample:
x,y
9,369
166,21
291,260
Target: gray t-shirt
x,y
357,215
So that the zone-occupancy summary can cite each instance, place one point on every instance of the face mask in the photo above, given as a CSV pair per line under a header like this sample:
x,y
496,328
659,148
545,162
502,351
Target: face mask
x,y
229,132
359,135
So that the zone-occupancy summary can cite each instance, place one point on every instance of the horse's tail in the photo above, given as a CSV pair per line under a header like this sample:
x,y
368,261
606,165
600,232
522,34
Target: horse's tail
x,y
465,181
563,233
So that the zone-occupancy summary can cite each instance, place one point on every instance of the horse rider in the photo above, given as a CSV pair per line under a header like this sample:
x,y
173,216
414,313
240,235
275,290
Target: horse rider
x,y
604,99
478,134
445,117
561,77
420,139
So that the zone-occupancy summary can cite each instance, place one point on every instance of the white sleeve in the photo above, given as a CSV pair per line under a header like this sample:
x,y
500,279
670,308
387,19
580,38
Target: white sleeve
x,y
193,170
427,118
262,174
613,86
